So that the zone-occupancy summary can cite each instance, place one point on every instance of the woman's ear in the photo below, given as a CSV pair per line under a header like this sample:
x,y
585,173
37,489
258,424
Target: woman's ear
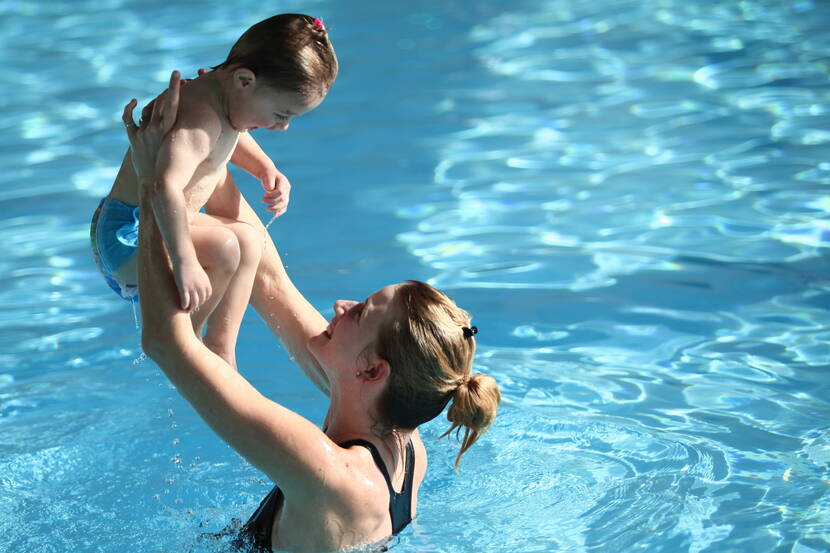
x,y
378,371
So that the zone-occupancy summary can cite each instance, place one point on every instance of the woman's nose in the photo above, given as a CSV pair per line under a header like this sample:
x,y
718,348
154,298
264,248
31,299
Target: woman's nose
x,y
341,306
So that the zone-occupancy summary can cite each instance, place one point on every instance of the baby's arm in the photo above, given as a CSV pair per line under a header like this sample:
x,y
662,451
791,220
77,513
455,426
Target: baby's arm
x,y
181,153
250,157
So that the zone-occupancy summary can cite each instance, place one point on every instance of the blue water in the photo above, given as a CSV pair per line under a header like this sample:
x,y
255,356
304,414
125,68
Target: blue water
x,y
631,197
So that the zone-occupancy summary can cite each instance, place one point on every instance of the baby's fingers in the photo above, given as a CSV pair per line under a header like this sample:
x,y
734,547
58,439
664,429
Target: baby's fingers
x,y
200,296
185,300
206,294
278,208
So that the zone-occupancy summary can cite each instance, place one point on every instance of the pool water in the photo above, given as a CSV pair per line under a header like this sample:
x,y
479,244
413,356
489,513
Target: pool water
x,y
630,197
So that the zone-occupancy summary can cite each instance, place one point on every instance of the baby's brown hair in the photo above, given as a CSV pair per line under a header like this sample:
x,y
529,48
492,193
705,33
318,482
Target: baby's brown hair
x,y
290,52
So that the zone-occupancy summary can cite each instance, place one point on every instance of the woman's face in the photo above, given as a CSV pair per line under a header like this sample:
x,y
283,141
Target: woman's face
x,y
342,348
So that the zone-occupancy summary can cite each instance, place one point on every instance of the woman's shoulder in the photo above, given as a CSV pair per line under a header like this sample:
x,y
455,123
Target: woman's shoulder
x,y
363,462
357,489
365,468
420,458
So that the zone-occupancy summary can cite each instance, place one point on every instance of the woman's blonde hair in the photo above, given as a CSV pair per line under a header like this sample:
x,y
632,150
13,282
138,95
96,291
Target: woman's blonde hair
x,y
431,356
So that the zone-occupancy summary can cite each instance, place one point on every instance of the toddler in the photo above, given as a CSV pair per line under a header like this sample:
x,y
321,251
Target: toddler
x,y
280,68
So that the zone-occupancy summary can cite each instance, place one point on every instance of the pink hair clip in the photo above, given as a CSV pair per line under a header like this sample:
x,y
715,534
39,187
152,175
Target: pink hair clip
x,y
318,23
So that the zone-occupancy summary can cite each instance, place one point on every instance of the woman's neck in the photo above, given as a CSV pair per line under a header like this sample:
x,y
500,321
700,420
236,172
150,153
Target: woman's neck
x,y
346,419
350,420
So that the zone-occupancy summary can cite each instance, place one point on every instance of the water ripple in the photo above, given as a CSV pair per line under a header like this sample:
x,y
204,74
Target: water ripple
x,y
630,198
657,226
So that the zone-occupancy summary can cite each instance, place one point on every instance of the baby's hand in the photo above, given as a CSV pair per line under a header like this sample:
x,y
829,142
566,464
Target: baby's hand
x,y
193,284
277,189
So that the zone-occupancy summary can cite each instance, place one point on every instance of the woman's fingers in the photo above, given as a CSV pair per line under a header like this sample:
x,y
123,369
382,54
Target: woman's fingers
x,y
158,108
127,117
146,112
170,106
167,105
174,88
162,110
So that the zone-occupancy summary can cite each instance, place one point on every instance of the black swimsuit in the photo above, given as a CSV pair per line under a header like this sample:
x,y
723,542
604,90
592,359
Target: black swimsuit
x,y
257,531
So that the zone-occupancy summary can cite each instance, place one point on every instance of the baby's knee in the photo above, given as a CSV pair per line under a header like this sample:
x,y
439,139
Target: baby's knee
x,y
223,252
251,242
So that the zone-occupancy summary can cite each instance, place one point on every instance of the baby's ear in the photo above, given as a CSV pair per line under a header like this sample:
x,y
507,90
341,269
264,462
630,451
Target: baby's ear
x,y
243,77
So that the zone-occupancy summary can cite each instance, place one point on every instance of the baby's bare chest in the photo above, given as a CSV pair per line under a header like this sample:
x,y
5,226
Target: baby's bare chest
x,y
210,173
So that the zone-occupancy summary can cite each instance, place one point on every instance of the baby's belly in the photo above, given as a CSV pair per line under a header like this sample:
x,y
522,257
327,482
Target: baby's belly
x,y
198,192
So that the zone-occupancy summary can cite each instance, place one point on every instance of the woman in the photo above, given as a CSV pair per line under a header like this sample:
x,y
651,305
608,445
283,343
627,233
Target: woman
x,y
388,364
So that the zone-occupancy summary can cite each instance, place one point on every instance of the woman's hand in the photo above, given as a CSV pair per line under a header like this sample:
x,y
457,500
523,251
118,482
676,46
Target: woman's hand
x,y
146,140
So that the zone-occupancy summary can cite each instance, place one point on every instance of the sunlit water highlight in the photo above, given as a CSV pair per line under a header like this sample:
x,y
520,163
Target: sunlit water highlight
x,y
630,197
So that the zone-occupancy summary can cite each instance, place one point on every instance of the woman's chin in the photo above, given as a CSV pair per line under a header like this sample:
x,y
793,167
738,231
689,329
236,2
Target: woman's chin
x,y
315,344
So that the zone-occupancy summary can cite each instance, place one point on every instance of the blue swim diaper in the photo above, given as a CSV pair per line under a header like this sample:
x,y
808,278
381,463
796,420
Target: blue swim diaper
x,y
114,237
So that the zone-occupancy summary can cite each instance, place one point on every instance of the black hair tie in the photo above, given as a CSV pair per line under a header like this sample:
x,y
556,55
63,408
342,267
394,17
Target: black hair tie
x,y
468,332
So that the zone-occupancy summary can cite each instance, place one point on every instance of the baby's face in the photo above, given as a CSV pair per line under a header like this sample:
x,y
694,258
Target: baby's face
x,y
266,107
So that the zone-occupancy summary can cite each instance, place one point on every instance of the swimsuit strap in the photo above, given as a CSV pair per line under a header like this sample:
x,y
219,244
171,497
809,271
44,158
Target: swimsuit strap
x,y
409,468
375,455
400,504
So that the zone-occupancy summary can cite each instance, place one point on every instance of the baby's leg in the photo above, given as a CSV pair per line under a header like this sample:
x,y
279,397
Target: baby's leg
x,y
223,324
217,249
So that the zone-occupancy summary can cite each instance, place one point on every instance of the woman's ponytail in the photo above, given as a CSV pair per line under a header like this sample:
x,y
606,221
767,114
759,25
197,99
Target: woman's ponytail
x,y
474,406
